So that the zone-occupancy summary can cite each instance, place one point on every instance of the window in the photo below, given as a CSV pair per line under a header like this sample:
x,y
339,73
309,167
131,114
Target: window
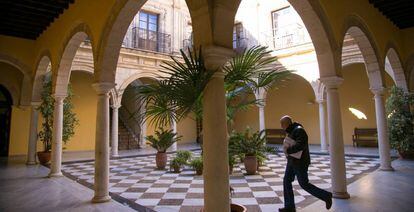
x,y
238,35
148,31
281,19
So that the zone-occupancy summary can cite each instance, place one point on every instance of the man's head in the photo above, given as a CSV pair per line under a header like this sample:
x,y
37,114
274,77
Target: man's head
x,y
285,121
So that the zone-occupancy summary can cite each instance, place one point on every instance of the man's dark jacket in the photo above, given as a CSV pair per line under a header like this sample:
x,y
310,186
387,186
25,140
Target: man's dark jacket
x,y
296,132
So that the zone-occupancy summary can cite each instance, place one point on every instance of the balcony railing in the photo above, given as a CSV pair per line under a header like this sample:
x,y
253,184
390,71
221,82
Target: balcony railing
x,y
139,38
287,37
240,44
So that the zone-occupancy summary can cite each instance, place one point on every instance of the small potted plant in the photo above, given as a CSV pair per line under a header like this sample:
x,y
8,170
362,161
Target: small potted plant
x,y
162,140
197,165
250,147
46,109
185,155
176,164
400,122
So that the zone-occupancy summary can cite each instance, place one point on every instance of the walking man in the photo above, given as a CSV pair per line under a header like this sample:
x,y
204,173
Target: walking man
x,y
298,167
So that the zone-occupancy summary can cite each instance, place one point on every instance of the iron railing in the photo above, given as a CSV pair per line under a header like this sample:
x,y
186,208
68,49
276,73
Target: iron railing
x,y
139,38
240,44
288,36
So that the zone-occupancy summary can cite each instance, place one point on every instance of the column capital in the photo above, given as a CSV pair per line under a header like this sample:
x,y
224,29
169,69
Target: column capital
x,y
216,56
331,82
115,106
35,104
103,87
320,101
378,91
59,97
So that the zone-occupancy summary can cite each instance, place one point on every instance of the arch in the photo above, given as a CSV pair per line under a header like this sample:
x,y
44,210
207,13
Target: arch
x,y
23,98
359,32
409,66
394,68
321,35
61,77
42,67
84,68
124,84
114,32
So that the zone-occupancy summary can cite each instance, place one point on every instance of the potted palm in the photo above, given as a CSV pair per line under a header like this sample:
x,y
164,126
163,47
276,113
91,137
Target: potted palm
x,y
46,109
162,140
251,146
197,165
400,122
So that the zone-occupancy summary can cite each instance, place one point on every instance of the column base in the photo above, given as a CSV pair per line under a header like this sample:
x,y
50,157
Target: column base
x,y
340,195
387,169
100,199
58,174
115,156
324,151
31,163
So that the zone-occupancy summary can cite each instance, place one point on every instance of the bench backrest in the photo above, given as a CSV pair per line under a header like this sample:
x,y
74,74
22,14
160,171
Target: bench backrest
x,y
365,132
279,132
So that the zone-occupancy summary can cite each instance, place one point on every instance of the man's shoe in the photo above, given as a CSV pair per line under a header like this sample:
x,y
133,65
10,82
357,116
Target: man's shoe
x,y
287,210
328,202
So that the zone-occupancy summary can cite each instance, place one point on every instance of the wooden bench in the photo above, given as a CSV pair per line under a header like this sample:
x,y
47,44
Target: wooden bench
x,y
275,136
365,137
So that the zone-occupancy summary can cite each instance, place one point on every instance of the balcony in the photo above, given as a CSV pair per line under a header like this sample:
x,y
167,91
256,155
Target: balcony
x,y
144,39
240,44
288,36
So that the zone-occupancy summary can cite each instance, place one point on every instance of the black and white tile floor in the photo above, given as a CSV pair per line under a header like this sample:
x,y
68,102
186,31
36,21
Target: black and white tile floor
x,y
136,181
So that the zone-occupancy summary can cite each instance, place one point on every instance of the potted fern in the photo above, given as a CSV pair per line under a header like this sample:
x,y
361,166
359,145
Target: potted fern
x,y
46,109
400,122
251,147
197,165
162,140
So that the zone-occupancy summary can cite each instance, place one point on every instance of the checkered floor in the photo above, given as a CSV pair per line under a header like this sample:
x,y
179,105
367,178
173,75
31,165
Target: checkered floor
x,y
137,182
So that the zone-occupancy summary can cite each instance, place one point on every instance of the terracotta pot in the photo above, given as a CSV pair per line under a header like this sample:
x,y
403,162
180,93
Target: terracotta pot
x,y
161,160
44,157
250,163
176,169
199,171
406,155
233,208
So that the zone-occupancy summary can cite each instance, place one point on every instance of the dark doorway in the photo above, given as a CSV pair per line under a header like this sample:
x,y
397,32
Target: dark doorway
x,y
5,117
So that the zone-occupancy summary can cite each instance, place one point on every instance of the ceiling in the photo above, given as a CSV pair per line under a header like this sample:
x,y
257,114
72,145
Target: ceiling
x,y
400,12
29,18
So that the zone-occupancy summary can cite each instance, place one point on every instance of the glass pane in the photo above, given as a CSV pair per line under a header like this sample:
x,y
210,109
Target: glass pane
x,y
143,16
152,27
143,25
153,19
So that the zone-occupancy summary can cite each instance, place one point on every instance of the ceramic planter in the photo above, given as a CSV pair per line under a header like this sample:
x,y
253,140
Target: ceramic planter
x,y
44,157
161,160
250,163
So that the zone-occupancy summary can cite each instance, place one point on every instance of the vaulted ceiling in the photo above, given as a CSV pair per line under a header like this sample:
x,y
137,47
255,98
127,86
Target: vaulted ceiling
x,y
29,18
400,12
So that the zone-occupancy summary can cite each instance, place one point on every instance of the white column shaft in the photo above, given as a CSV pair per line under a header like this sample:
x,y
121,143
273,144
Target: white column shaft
x,y
31,152
383,142
337,155
56,162
101,185
174,128
262,125
114,134
322,127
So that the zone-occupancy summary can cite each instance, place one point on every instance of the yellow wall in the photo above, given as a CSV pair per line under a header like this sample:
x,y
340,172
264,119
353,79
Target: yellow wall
x,y
84,101
19,130
354,92
187,129
295,98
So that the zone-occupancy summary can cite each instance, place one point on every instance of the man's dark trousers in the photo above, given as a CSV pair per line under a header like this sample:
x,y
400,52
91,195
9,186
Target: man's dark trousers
x,y
301,173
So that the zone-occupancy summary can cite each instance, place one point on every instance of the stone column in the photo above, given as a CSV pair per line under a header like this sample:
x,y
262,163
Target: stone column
x,y
56,162
215,143
322,127
102,143
337,155
34,118
383,142
174,128
262,125
114,134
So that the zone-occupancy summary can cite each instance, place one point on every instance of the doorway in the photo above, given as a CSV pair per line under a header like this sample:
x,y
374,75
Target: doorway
x,y
6,103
